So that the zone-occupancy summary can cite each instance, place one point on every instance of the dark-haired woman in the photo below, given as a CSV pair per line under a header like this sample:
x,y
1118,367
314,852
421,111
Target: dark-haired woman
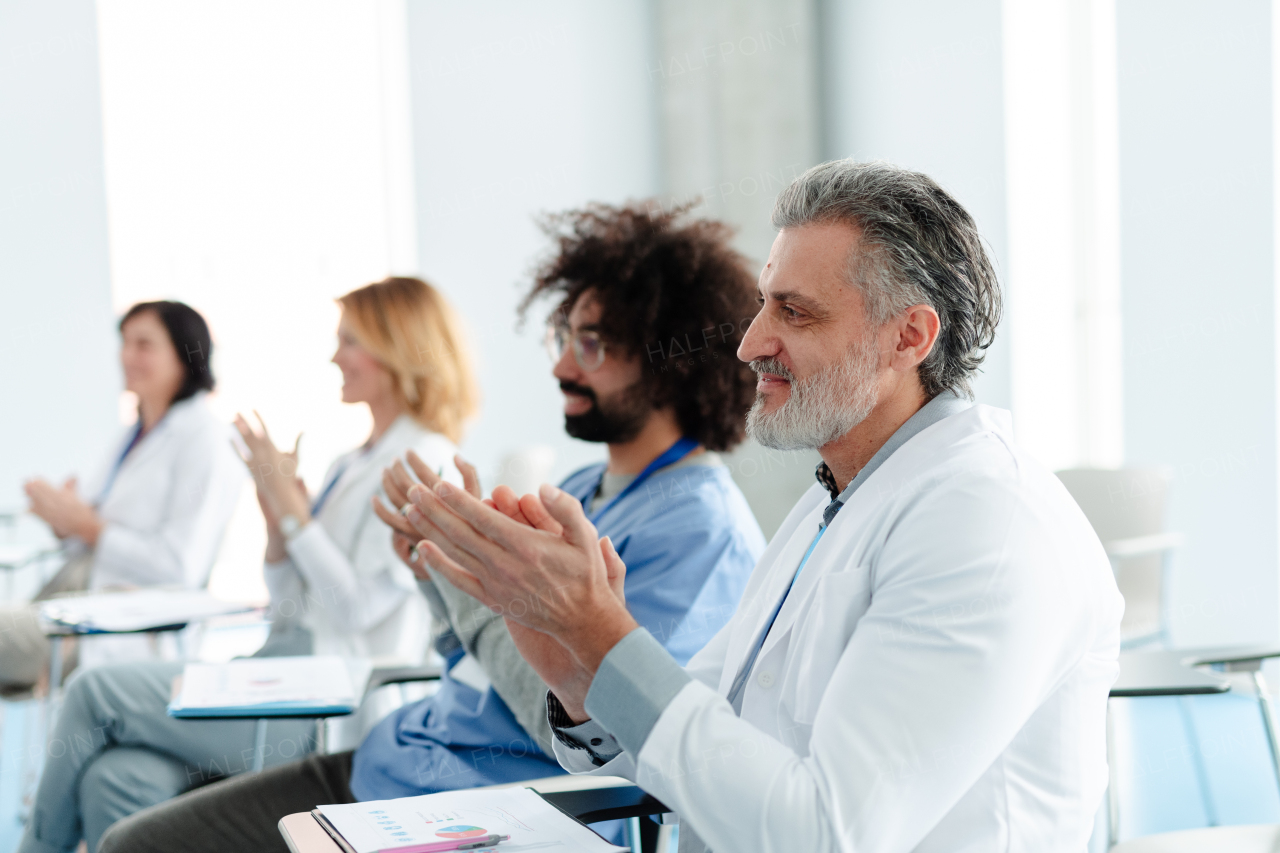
x,y
156,513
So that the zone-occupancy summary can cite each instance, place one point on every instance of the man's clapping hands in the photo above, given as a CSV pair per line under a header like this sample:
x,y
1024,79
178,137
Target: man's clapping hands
x,y
537,560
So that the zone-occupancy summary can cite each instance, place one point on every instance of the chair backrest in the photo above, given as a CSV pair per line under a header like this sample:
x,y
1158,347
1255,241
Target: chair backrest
x,y
1120,503
526,468
1124,503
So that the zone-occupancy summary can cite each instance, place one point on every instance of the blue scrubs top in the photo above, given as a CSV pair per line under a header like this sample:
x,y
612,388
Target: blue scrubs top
x,y
689,541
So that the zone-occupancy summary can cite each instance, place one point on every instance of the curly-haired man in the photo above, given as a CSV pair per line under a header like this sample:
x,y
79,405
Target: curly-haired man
x,y
650,311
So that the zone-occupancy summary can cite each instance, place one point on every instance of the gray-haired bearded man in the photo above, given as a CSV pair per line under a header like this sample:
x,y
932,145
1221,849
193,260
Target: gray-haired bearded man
x,y
922,657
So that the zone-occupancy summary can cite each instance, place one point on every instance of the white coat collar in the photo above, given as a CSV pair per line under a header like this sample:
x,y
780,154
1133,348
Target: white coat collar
x,y
178,417
917,457
403,433
942,406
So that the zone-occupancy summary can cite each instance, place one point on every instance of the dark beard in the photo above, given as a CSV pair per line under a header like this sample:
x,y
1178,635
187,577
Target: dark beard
x,y
620,418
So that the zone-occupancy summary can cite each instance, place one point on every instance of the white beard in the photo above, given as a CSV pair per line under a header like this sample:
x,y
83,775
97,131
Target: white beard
x,y
821,408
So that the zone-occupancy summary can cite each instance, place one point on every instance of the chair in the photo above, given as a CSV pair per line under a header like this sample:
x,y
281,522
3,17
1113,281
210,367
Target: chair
x,y
1127,508
526,468
1227,839
608,802
1172,673
338,733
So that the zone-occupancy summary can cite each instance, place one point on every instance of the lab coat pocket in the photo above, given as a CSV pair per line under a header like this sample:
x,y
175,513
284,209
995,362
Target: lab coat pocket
x,y
818,639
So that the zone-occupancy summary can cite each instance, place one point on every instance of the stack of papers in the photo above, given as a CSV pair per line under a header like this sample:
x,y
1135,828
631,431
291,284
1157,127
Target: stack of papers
x,y
464,817
135,610
314,686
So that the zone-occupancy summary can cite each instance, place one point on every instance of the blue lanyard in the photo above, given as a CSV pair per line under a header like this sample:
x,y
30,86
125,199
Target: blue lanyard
x,y
672,454
740,682
115,469
337,475
324,493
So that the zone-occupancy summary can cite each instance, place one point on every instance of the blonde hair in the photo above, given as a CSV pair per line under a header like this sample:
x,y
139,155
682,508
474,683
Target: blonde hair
x,y
409,327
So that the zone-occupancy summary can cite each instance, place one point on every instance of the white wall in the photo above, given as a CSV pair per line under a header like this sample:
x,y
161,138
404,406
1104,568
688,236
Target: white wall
x,y
1063,274
919,83
738,93
59,378
521,108
1196,172
258,165
1010,106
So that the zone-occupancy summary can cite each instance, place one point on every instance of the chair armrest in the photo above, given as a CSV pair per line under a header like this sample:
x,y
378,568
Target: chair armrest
x,y
1245,658
592,798
402,675
1164,673
1140,546
611,803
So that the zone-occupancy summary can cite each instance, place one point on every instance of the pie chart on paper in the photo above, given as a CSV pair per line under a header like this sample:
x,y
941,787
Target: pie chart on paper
x,y
461,831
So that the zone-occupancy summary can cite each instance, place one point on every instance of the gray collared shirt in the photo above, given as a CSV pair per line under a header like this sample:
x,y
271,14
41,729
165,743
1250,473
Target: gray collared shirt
x,y
638,679
942,406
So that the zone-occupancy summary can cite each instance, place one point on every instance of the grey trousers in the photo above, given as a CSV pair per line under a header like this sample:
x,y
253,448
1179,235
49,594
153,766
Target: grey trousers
x,y
114,751
24,649
237,814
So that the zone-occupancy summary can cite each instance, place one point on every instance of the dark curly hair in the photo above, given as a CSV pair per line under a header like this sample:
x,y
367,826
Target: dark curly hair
x,y
673,293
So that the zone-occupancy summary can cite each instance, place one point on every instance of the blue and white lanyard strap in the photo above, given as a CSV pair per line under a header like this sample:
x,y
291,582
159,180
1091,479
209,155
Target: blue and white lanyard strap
x,y
115,469
328,489
740,682
337,475
670,456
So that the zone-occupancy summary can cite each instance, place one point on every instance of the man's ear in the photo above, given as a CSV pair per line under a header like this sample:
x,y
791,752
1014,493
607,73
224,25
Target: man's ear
x,y
917,334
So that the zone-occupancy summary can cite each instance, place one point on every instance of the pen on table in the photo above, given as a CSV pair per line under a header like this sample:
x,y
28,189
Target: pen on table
x,y
440,846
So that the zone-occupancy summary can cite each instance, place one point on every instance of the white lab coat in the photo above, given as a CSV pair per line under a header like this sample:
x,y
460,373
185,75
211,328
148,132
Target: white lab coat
x,y
936,680
342,579
170,502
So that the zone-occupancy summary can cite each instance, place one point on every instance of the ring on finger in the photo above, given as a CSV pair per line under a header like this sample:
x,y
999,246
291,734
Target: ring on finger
x,y
404,510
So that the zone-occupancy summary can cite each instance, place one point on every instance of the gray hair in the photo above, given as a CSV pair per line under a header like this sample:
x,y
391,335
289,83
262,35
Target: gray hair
x,y
918,247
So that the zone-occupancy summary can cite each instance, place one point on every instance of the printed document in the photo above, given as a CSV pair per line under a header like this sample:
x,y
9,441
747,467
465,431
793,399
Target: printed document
x,y
532,822
271,686
135,610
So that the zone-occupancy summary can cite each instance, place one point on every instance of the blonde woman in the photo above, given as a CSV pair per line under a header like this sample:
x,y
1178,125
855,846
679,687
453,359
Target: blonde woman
x,y
337,586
